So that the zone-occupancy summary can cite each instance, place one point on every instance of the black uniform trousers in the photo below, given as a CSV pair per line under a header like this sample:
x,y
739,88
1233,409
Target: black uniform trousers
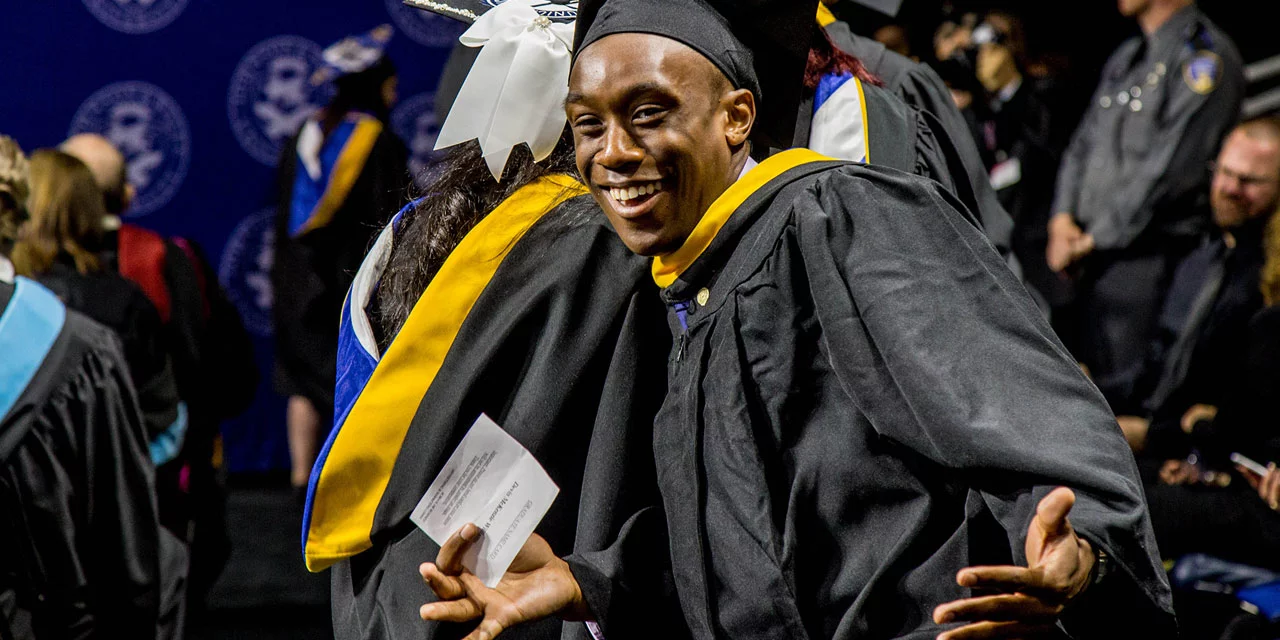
x,y
1114,309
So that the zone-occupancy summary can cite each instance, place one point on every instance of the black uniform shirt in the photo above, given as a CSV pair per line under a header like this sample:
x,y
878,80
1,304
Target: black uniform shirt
x,y
1139,158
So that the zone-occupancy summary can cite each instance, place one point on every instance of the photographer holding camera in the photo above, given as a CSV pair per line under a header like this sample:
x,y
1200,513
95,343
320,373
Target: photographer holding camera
x,y
984,62
1020,138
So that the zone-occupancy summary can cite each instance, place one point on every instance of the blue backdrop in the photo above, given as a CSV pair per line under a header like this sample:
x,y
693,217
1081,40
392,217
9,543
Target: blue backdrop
x,y
200,94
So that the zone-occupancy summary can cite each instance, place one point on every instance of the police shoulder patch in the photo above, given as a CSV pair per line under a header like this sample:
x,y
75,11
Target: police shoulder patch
x,y
1201,72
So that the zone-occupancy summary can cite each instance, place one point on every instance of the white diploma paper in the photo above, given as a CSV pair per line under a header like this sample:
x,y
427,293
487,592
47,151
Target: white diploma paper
x,y
492,481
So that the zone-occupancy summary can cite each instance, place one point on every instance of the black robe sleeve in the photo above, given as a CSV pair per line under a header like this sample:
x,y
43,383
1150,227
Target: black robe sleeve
x,y
152,368
922,88
186,318
108,298
628,586
941,348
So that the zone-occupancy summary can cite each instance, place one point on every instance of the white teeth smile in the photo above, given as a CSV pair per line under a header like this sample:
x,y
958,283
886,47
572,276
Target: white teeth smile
x,y
625,195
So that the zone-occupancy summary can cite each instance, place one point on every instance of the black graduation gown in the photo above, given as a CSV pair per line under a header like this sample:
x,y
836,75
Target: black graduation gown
x,y
920,87
108,298
902,137
565,348
865,401
212,353
224,375
213,370
79,527
312,272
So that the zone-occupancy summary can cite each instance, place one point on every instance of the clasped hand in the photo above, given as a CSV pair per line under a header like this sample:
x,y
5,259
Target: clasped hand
x,y
1068,243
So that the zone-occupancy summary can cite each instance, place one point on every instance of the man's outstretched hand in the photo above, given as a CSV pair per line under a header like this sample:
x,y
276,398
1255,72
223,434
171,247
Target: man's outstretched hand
x,y
537,585
1025,602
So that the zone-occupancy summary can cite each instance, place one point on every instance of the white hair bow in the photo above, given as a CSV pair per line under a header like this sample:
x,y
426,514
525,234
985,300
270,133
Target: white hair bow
x,y
516,89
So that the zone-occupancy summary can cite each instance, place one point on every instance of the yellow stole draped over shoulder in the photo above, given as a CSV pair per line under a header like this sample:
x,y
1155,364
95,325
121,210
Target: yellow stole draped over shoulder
x,y
357,468
669,267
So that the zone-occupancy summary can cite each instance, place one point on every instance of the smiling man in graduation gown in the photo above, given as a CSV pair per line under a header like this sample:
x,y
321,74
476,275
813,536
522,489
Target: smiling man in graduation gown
x,y
869,430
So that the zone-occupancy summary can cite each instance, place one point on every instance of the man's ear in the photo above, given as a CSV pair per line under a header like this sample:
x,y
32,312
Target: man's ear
x,y
129,193
740,110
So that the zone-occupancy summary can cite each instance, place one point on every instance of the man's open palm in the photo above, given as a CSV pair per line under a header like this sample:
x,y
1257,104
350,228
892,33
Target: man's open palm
x,y
537,585
1027,600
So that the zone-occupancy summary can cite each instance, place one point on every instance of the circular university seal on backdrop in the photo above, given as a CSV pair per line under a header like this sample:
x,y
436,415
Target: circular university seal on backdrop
x,y
414,120
425,27
245,270
148,127
136,16
271,94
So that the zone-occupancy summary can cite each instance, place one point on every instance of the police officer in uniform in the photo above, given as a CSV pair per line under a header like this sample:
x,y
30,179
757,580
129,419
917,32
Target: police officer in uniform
x,y
1131,193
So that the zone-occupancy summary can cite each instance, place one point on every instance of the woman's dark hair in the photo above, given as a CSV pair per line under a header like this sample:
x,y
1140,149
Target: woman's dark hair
x,y
460,195
360,91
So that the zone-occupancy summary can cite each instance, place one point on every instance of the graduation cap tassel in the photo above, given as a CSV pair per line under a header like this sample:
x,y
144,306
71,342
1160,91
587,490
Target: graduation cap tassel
x,y
516,89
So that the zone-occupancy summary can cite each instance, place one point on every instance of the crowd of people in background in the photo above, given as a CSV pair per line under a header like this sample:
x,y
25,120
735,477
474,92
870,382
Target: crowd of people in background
x,y
1147,236
1150,234
112,451
116,386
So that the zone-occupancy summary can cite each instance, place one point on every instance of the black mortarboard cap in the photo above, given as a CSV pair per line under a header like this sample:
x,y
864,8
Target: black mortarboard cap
x,y
780,33
760,45
691,22
469,10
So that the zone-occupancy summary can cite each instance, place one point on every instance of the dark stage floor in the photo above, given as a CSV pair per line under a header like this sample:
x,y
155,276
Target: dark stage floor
x,y
265,591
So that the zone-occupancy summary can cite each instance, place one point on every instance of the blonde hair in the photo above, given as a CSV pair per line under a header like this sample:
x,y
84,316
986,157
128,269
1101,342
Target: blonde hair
x,y
14,188
1268,129
1271,268
66,210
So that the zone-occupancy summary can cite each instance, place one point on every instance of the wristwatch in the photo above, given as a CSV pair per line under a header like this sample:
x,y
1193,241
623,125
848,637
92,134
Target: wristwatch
x,y
1101,566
